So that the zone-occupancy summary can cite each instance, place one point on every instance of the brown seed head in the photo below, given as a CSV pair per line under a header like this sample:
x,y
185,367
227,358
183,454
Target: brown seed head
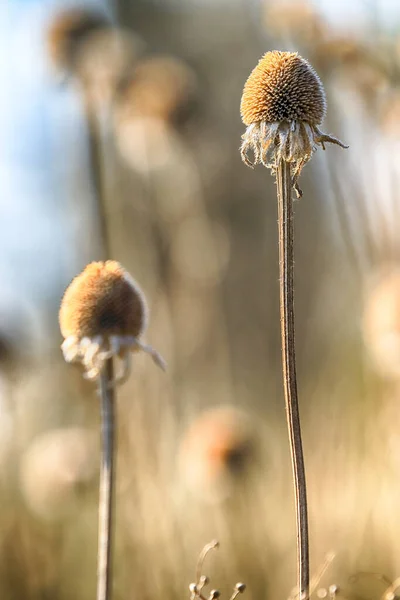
x,y
103,300
283,103
160,87
216,452
283,87
67,32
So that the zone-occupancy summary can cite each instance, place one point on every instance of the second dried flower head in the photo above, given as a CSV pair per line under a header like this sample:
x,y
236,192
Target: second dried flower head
x,y
103,314
283,104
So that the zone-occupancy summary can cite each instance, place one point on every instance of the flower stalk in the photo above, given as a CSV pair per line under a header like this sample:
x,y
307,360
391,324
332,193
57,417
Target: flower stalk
x,y
103,315
108,425
286,279
283,105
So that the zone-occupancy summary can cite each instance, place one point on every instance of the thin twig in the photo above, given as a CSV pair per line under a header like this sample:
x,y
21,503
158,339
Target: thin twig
x,y
286,268
106,390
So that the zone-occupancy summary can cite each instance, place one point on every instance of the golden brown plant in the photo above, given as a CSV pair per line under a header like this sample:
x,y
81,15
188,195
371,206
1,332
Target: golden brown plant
x,y
103,315
283,104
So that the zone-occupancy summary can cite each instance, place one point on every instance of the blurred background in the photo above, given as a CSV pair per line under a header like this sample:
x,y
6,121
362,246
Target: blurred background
x,y
120,129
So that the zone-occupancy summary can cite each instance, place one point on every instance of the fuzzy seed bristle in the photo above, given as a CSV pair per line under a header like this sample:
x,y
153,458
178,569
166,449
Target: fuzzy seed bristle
x,y
103,300
283,86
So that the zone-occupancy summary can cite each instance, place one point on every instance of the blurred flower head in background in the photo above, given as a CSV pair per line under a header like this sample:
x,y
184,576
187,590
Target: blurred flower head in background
x,y
57,469
84,44
381,322
159,88
216,451
67,33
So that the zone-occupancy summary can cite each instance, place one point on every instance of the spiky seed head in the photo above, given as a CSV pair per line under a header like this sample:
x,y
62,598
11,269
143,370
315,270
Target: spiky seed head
x,y
283,103
103,300
283,86
102,315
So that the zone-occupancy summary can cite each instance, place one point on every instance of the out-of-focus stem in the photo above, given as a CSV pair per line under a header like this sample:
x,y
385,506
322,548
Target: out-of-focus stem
x,y
106,389
104,556
286,269
97,175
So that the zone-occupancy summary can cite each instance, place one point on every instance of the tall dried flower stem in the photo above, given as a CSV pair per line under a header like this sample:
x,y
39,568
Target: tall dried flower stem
x,y
286,270
104,558
106,390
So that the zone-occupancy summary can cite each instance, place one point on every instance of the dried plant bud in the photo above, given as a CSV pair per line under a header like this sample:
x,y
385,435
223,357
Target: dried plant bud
x,y
193,588
103,314
241,587
333,589
203,581
214,594
283,103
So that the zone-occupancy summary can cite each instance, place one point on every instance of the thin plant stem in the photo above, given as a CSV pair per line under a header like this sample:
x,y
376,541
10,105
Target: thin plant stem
x,y
106,389
286,269
96,167
104,562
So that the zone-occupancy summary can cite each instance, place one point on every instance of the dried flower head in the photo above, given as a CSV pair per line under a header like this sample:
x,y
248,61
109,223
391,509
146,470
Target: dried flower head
x,y
105,58
67,32
160,87
57,469
216,451
103,314
283,103
295,19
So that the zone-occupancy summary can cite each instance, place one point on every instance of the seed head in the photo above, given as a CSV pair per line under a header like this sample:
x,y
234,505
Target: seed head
x,y
283,86
67,32
160,87
283,103
216,452
103,313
